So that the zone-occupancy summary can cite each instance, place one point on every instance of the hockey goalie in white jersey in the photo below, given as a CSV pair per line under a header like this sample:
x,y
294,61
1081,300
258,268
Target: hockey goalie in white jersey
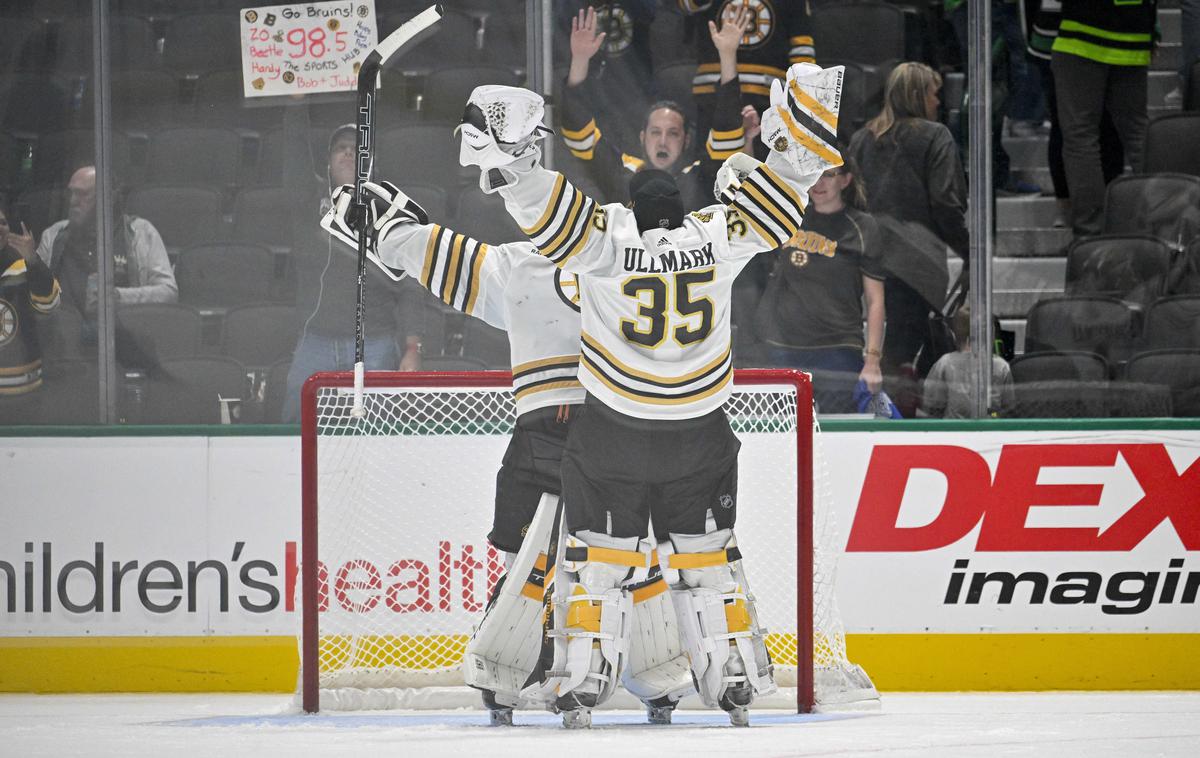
x,y
512,288
654,444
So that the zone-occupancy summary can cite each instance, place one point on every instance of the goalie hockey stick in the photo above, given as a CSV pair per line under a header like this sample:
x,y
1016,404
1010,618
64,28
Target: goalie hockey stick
x,y
368,85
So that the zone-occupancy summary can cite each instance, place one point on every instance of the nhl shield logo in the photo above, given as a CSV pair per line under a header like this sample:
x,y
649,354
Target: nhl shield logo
x,y
726,501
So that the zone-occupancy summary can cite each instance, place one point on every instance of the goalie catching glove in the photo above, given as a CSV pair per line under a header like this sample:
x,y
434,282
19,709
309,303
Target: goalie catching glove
x,y
802,121
500,125
387,207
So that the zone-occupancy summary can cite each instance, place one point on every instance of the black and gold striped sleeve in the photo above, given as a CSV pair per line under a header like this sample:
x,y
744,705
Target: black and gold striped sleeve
x,y
771,206
44,294
727,135
801,48
565,224
452,268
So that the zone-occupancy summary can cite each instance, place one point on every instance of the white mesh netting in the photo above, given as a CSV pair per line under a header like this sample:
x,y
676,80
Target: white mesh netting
x,y
404,501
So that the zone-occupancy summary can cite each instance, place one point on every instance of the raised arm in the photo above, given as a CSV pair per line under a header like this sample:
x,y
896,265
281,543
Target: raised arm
x,y
464,273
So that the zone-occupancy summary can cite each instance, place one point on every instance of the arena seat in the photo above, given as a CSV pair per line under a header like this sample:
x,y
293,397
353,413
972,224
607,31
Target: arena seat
x,y
259,335
1087,323
1177,369
1134,268
189,390
866,32
182,215
226,274
158,331
1172,144
1059,366
134,44
195,43
1172,322
485,218
1166,206
447,89
211,156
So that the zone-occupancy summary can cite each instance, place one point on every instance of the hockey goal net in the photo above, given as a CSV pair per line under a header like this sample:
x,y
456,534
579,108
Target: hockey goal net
x,y
396,567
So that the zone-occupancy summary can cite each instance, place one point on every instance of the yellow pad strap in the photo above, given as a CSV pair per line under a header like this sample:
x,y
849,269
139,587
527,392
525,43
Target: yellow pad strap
x,y
703,560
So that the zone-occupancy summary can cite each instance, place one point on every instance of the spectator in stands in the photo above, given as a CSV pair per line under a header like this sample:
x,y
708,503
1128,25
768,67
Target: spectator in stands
x,y
1042,31
664,136
141,271
326,276
1100,60
949,387
26,288
1189,15
775,38
811,315
1012,93
909,165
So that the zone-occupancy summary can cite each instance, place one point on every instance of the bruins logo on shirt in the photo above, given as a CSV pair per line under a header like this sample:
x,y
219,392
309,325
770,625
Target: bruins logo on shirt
x,y
762,24
8,322
567,287
614,20
804,243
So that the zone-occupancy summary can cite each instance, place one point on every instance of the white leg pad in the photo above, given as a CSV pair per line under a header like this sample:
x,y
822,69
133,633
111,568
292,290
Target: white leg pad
x,y
591,619
658,666
717,618
504,648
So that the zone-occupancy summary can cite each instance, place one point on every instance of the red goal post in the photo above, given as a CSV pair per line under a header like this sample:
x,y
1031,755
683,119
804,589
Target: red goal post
x,y
421,464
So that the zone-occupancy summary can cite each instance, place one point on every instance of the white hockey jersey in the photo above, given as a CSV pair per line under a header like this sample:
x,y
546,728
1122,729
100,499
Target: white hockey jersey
x,y
510,287
655,341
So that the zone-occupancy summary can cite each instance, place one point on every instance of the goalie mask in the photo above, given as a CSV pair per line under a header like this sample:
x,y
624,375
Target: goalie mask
x,y
500,124
656,202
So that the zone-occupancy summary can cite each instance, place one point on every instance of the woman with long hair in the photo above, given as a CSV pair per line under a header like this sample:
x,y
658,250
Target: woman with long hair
x,y
910,167
811,314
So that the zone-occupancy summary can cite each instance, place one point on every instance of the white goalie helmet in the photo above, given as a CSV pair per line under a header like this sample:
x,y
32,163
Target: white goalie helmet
x,y
500,124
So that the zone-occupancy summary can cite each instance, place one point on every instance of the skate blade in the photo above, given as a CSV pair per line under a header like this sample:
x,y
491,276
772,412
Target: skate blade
x,y
658,715
581,718
500,717
739,716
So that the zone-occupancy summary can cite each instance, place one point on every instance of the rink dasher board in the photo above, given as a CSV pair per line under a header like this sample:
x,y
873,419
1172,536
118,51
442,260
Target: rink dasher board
x,y
232,500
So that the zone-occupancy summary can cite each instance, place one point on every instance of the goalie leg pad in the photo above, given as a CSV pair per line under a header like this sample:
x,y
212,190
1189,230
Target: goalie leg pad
x,y
658,672
504,648
717,619
591,618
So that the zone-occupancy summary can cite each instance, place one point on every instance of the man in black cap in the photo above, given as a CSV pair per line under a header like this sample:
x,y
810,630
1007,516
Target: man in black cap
x,y
325,277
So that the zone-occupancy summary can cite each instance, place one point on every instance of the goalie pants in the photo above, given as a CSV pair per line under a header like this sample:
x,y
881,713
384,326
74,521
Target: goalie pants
x,y
618,472
531,466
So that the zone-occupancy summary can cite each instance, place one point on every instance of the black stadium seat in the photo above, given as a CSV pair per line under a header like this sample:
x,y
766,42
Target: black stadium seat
x,y
1172,322
1087,323
1172,144
485,218
1059,366
158,331
868,32
210,156
259,335
1134,268
1166,206
447,89
190,391
195,43
226,274
182,215
1177,369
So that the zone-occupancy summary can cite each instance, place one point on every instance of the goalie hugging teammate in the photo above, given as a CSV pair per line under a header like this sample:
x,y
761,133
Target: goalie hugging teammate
x,y
619,400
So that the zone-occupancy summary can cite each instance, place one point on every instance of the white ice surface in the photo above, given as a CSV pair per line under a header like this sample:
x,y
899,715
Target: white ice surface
x,y
1095,725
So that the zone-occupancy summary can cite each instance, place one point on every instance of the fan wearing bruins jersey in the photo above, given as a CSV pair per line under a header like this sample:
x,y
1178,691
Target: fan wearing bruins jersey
x,y
27,287
655,445
780,34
